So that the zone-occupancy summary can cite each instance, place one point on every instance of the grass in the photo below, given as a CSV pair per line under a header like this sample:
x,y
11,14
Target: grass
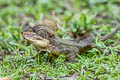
x,y
20,61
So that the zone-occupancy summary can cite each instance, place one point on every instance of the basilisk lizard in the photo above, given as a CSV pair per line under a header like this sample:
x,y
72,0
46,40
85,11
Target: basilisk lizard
x,y
43,36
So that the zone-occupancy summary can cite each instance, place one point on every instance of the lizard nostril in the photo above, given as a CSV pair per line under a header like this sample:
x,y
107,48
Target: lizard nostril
x,y
33,30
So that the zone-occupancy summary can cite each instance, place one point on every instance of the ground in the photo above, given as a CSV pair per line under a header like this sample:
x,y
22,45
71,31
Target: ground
x,y
19,60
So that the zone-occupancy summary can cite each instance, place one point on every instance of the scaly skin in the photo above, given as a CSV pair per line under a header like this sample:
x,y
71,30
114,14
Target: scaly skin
x,y
43,35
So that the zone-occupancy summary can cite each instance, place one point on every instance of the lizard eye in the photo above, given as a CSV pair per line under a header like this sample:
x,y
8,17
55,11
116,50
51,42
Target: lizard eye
x,y
33,30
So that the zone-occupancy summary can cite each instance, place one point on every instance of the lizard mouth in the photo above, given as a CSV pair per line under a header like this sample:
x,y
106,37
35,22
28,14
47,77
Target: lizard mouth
x,y
36,40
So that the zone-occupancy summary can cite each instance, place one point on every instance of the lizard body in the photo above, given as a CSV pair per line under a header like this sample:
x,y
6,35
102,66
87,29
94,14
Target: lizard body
x,y
43,35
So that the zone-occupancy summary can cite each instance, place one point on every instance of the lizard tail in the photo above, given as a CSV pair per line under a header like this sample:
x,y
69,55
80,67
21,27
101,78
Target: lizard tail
x,y
103,38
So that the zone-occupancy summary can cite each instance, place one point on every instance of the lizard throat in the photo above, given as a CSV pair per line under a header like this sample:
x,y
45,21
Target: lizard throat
x,y
36,40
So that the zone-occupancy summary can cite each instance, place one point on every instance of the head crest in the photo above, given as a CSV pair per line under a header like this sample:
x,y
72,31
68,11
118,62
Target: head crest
x,y
48,23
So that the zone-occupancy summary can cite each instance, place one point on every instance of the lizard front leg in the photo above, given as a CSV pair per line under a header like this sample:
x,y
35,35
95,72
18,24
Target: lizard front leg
x,y
71,57
72,53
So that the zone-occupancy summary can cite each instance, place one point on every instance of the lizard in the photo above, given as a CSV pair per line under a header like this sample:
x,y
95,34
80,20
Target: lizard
x,y
43,36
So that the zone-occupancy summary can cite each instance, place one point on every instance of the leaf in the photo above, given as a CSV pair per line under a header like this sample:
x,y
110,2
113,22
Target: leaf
x,y
83,20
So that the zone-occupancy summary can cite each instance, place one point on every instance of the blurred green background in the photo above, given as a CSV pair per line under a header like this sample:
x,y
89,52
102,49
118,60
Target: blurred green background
x,y
77,18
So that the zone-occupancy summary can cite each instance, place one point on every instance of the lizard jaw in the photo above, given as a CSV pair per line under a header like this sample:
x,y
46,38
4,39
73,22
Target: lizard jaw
x,y
36,40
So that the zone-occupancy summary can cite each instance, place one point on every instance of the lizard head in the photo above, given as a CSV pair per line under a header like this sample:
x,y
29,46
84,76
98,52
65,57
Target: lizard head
x,y
30,35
